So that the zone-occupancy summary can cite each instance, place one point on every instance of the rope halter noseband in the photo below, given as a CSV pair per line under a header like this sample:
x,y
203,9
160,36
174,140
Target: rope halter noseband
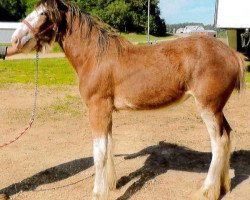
x,y
40,37
35,32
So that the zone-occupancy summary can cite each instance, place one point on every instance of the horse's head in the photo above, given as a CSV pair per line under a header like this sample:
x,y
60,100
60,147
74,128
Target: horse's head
x,y
40,27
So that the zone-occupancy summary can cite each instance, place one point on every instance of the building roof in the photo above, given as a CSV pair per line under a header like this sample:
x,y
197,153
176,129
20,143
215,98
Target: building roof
x,y
188,29
207,31
180,30
9,25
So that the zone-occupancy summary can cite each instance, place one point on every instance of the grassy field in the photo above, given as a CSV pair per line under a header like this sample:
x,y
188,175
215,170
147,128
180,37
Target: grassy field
x,y
51,72
139,38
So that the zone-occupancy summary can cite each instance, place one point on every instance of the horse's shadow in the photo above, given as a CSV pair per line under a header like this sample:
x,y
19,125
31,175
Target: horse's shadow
x,y
161,158
166,156
50,175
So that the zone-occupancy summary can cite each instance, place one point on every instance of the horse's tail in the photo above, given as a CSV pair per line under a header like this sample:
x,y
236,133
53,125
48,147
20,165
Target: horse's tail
x,y
240,82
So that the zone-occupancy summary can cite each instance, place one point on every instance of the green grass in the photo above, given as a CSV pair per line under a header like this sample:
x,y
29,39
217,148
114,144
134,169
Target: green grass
x,y
51,72
56,48
4,44
140,38
69,104
222,34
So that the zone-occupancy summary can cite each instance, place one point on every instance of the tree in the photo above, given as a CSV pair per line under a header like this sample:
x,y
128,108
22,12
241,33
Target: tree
x,y
30,5
126,15
116,14
14,10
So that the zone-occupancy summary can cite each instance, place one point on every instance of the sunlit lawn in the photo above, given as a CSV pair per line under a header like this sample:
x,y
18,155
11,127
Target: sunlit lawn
x,y
140,38
51,72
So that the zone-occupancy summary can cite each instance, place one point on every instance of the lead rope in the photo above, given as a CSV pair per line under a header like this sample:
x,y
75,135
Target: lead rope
x,y
33,113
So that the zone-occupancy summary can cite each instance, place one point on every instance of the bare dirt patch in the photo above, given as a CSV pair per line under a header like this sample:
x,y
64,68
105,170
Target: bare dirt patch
x,y
160,154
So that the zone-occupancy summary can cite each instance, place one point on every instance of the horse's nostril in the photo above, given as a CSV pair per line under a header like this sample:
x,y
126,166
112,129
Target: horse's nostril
x,y
15,42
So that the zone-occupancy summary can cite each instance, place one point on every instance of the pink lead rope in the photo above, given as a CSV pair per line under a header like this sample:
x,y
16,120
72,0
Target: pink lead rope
x,y
32,118
33,30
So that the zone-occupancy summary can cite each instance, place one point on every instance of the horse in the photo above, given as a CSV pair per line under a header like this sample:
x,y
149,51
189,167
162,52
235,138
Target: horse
x,y
116,75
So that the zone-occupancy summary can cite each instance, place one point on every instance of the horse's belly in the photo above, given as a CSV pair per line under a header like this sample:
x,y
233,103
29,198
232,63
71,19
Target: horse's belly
x,y
123,103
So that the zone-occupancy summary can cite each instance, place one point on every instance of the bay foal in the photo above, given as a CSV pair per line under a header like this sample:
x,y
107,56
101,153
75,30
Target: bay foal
x,y
114,74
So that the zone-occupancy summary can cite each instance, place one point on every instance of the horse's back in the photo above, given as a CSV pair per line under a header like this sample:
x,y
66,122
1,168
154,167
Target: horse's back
x,y
161,74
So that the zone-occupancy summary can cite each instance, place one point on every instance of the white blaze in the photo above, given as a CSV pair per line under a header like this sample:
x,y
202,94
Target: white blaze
x,y
23,30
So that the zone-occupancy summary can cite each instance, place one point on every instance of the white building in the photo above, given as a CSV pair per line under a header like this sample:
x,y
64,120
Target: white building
x,y
179,30
234,16
6,31
189,29
195,30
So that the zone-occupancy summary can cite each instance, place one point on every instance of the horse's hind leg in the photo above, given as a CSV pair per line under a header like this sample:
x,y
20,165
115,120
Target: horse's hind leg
x,y
217,180
111,166
225,179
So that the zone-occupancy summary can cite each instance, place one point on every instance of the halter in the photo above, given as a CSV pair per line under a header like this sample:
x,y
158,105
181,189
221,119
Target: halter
x,y
33,30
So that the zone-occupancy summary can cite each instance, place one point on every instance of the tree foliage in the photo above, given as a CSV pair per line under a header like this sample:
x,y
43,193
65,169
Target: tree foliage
x,y
30,4
124,15
127,15
12,10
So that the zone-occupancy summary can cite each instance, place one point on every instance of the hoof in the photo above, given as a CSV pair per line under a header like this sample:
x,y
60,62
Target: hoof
x,y
100,196
207,193
4,197
225,185
112,183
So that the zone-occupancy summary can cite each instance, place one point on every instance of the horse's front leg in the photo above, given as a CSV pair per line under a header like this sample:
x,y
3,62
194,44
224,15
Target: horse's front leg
x,y
100,116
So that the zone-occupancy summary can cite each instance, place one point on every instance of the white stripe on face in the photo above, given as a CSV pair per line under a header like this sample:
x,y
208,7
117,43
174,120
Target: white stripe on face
x,y
33,17
23,32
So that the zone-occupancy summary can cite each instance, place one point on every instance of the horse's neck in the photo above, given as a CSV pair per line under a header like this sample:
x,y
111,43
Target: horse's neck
x,y
79,51
82,49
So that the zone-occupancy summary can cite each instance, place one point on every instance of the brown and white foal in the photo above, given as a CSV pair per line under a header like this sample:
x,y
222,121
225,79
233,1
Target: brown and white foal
x,y
114,74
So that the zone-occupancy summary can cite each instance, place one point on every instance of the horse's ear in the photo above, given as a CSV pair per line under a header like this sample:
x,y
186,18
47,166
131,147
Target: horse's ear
x,y
61,5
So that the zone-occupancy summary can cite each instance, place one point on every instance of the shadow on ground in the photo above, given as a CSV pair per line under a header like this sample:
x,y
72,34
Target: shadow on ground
x,y
166,156
161,158
51,175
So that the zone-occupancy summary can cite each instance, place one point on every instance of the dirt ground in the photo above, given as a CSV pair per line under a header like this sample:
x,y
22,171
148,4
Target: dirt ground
x,y
160,154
